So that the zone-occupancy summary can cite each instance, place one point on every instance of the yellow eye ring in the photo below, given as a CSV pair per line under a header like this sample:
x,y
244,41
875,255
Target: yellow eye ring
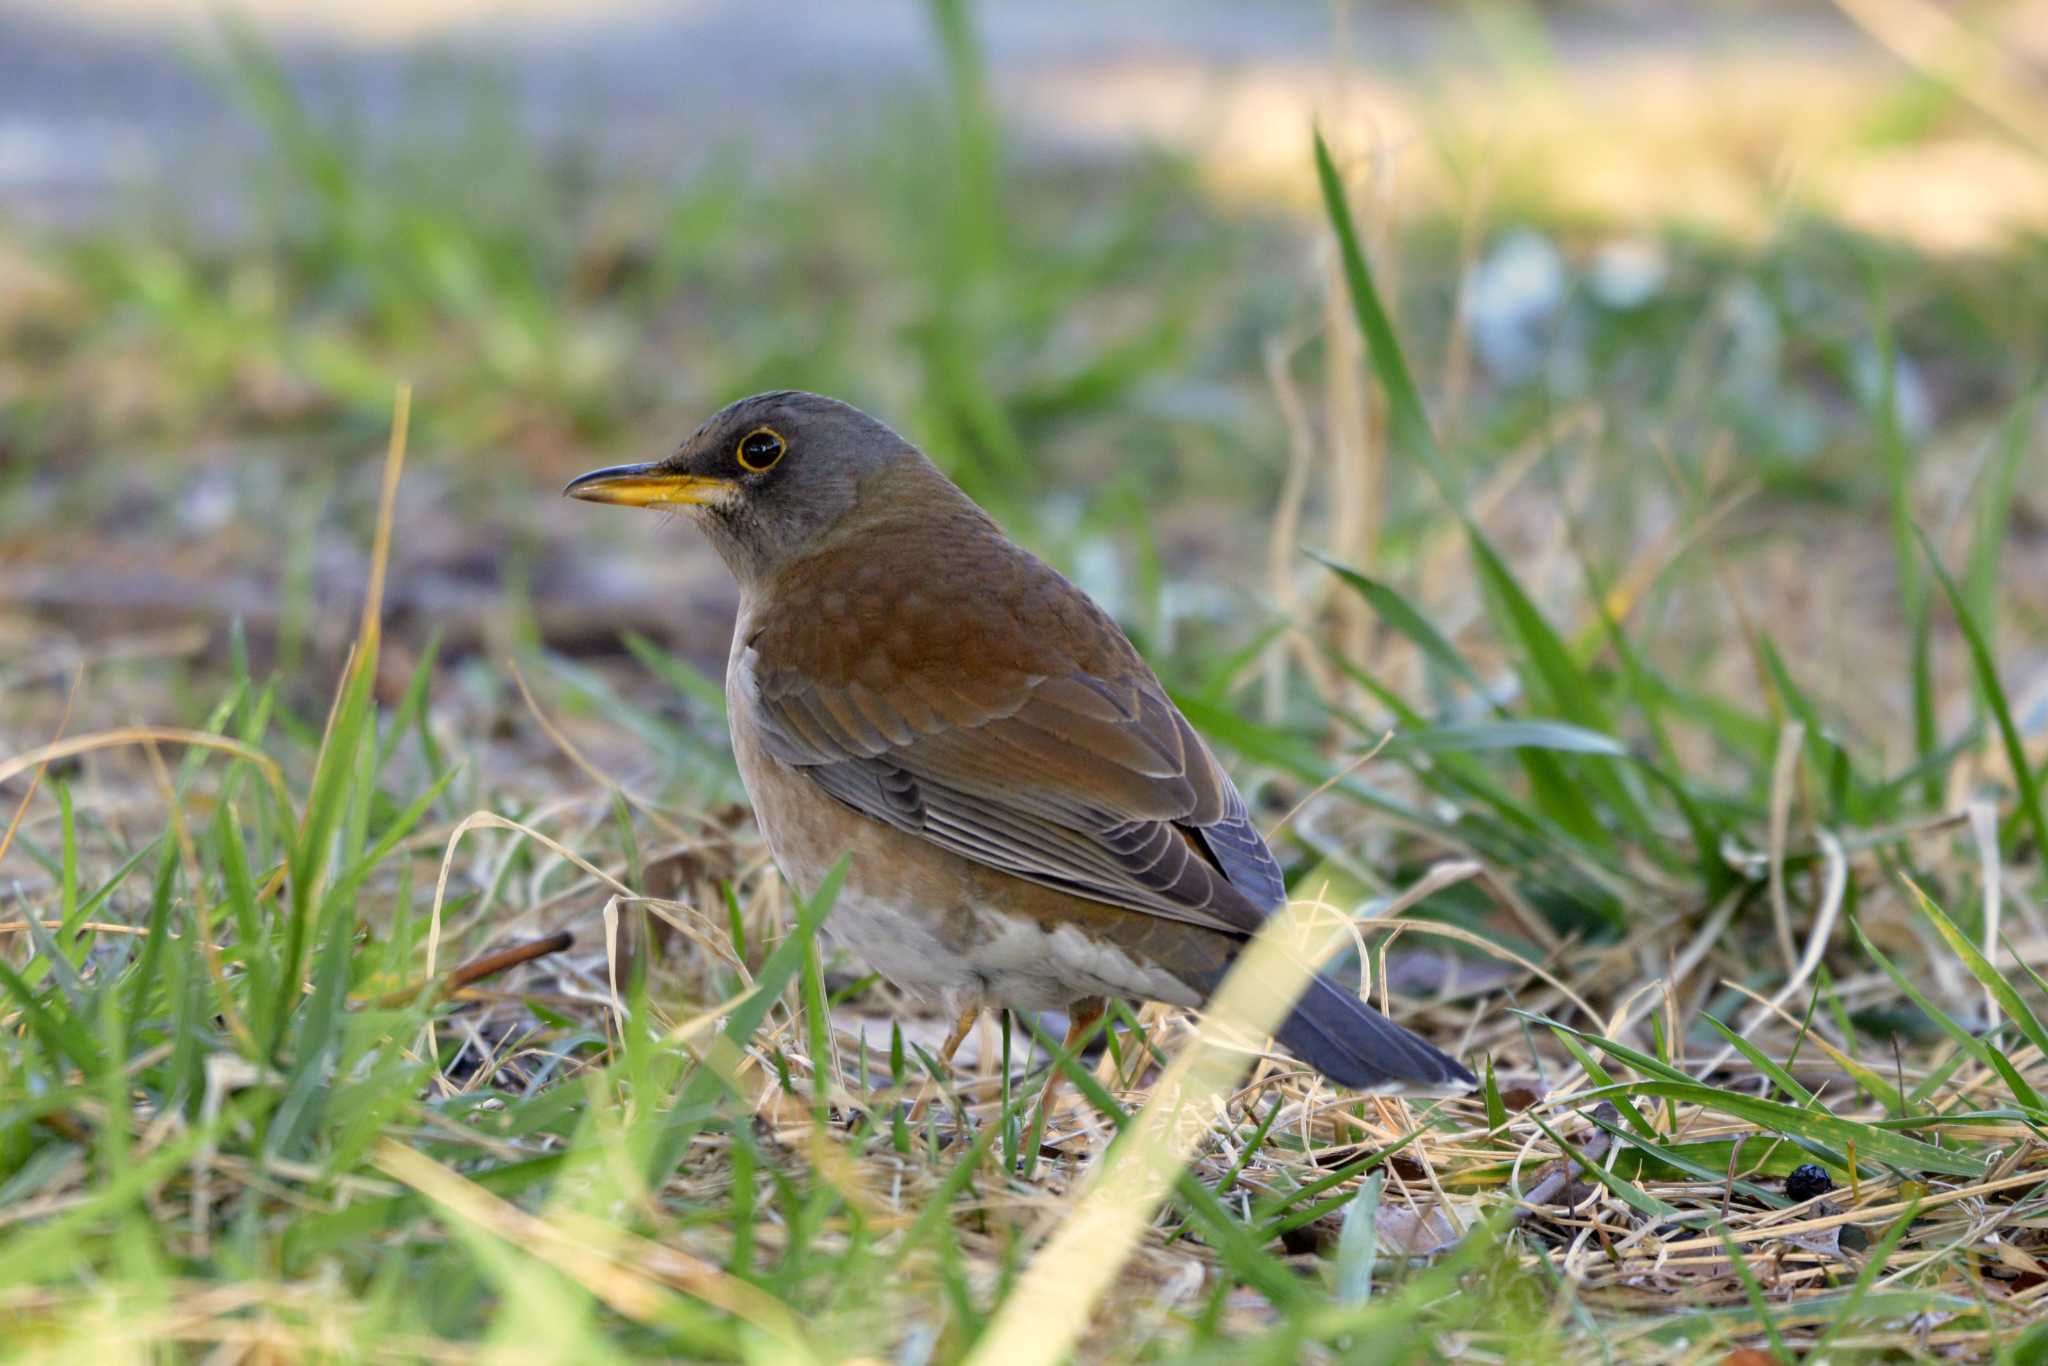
x,y
759,449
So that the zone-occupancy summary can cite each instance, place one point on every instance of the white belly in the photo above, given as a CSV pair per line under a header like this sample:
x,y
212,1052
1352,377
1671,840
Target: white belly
x,y
1008,960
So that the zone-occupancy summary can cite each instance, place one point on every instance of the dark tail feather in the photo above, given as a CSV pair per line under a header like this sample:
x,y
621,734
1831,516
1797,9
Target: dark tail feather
x,y
1355,1046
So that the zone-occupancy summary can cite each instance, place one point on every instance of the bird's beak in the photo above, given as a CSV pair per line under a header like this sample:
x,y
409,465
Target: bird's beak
x,y
645,486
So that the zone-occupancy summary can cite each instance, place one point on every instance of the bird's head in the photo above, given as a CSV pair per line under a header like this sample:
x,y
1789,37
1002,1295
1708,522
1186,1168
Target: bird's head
x,y
766,478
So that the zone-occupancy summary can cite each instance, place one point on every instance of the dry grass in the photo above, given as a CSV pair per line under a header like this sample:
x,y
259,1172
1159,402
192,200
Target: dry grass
x,y
1638,1232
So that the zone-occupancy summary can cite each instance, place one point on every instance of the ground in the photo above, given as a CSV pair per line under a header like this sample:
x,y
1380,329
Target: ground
x,y
1597,522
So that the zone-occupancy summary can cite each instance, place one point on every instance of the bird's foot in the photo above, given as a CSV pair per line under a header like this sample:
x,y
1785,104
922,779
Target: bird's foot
x,y
951,1046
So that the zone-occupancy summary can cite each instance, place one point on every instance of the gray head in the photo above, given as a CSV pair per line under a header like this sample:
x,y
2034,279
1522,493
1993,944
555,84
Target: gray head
x,y
765,478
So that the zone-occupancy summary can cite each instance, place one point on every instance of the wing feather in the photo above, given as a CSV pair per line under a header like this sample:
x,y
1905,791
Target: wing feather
x,y
1014,726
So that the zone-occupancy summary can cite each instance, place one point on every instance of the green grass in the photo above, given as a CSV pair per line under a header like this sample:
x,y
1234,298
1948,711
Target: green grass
x,y
269,1081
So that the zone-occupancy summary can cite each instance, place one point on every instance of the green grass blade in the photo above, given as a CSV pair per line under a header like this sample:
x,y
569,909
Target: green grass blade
x,y
1986,670
2002,991
1977,1048
412,705
1409,419
677,673
59,1032
1832,761
1241,1250
709,1078
1477,737
1630,1194
1397,612
1869,1141
326,805
1763,1063
150,965
1565,686
1358,1243
1675,1155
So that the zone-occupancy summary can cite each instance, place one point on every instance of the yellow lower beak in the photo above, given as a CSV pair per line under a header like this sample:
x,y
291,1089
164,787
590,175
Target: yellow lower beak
x,y
646,486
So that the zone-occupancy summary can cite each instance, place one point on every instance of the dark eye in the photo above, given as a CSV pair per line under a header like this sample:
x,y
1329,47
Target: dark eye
x,y
761,448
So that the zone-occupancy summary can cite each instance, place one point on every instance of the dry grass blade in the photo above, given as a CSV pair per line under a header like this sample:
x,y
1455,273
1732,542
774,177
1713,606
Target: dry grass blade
x,y
21,807
491,820
95,926
628,1274
1834,891
1784,777
1978,69
480,967
576,757
1793,1228
150,735
372,630
1051,1307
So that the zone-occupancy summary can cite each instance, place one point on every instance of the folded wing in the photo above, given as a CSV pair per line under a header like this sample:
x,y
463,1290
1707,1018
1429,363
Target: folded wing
x,y
1017,728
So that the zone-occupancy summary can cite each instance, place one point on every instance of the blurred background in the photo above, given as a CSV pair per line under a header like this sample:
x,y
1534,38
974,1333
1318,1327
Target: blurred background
x,y
1711,301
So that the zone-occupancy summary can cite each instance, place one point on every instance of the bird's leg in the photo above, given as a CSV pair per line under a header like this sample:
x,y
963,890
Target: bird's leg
x,y
961,1028
1081,1017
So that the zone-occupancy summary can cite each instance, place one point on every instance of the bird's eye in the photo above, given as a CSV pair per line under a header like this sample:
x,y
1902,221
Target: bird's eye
x,y
761,448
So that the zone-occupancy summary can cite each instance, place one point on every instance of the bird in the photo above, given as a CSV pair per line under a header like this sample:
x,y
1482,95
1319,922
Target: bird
x,y
1030,822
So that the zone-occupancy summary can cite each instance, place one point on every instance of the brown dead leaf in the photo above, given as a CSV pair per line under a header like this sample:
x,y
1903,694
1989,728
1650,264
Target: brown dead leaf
x,y
1407,1232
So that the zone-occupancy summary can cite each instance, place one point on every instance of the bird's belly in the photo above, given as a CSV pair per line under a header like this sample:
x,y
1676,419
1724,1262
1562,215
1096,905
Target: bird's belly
x,y
983,955
953,932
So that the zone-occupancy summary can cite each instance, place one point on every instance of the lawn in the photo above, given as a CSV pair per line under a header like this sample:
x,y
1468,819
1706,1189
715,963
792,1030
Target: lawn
x,y
1630,631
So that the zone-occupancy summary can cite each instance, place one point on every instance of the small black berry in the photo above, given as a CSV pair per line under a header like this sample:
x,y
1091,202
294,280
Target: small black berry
x,y
1807,1181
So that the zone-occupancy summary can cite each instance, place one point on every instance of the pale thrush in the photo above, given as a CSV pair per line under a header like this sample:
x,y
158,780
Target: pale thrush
x,y
1032,823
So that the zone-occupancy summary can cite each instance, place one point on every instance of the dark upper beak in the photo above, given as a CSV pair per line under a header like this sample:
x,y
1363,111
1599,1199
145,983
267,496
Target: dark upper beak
x,y
650,485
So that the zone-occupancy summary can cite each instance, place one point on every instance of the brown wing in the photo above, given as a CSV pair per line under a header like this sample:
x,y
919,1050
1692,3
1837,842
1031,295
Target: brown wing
x,y
977,699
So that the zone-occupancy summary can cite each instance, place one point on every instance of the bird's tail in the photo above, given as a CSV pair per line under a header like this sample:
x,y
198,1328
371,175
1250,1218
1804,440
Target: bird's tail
x,y
1357,1047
